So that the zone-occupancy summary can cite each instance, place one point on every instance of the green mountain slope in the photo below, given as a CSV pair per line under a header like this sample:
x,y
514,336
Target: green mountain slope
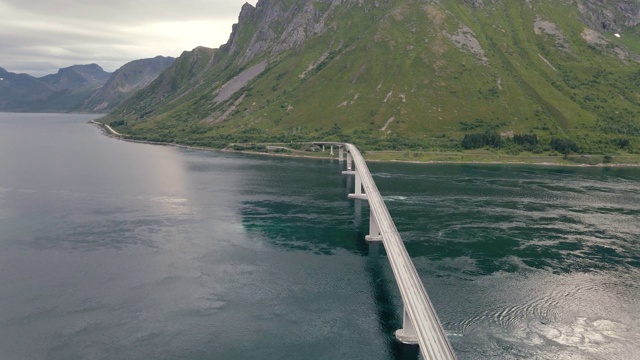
x,y
405,75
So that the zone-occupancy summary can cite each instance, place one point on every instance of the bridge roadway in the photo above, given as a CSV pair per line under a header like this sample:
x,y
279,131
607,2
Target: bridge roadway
x,y
420,322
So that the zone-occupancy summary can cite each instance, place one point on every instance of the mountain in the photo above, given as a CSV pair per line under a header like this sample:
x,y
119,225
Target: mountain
x,y
64,91
173,84
15,87
72,86
125,81
407,74
85,88
77,77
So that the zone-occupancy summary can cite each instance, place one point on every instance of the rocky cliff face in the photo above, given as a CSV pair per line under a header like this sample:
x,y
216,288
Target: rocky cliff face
x,y
610,16
274,26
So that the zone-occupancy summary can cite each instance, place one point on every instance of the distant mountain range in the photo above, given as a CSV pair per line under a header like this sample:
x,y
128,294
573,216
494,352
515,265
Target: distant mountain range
x,y
405,74
78,88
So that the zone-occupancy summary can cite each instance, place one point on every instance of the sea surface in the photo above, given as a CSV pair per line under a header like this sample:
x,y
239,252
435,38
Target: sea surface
x,y
118,250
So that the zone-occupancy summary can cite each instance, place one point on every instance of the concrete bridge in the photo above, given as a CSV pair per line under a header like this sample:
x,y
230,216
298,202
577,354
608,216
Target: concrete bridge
x,y
420,323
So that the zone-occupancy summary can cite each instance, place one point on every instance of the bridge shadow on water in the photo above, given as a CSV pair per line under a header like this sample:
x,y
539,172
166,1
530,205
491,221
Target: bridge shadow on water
x,y
325,222
389,312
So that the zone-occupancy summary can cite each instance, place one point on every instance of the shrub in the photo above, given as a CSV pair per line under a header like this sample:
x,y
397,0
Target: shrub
x,y
493,139
622,143
564,146
526,139
475,141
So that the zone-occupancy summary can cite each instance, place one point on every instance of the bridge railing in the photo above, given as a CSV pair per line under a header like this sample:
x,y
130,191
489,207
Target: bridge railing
x,y
420,321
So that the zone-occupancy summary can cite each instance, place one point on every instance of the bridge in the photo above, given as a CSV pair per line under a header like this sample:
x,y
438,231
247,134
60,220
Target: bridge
x,y
420,322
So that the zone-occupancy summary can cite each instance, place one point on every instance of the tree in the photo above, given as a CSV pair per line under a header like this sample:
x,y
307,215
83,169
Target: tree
x,y
564,146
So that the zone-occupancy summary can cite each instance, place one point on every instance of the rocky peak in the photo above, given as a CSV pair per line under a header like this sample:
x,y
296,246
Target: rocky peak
x,y
274,26
76,76
246,11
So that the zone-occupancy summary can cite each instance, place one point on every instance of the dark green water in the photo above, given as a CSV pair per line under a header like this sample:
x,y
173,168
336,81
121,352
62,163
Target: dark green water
x,y
115,250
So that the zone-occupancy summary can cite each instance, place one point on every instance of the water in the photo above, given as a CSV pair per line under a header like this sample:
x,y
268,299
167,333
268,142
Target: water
x,y
116,250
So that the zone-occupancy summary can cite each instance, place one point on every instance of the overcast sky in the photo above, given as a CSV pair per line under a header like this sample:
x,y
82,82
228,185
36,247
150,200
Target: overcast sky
x,y
38,37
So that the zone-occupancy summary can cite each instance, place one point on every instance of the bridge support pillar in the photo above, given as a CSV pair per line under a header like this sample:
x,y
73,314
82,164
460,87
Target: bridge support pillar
x,y
357,193
341,153
322,148
407,335
357,211
331,149
349,170
374,230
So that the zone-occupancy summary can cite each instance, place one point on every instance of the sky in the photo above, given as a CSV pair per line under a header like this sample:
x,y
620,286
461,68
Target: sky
x,y
38,37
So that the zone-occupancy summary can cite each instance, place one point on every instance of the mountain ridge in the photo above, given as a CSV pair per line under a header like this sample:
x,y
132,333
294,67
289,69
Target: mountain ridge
x,y
125,81
77,88
77,77
63,91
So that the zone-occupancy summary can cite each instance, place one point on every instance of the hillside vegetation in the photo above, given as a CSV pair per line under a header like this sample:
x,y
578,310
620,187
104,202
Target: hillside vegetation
x,y
537,76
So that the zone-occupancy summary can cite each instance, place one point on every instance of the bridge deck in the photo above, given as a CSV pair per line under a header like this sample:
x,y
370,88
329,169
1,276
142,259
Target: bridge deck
x,y
417,305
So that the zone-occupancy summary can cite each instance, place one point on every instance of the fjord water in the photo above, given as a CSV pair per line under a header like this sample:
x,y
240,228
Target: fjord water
x,y
117,250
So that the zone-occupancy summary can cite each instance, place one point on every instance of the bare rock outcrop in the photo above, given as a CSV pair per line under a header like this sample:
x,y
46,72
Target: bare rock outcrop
x,y
474,3
610,16
465,39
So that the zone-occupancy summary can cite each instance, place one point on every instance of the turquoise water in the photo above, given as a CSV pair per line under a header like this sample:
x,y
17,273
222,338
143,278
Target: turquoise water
x,y
116,250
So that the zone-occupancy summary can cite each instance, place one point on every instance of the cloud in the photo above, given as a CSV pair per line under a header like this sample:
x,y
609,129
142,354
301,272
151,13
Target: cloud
x,y
38,37
127,11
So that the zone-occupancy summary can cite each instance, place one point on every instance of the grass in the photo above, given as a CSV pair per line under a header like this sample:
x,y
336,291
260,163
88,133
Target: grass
x,y
486,156
464,157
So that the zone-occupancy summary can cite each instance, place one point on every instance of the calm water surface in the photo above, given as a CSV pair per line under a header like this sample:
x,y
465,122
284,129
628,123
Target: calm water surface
x,y
115,250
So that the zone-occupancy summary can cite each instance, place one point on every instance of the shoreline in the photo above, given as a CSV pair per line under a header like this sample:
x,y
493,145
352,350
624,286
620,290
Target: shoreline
x,y
110,132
